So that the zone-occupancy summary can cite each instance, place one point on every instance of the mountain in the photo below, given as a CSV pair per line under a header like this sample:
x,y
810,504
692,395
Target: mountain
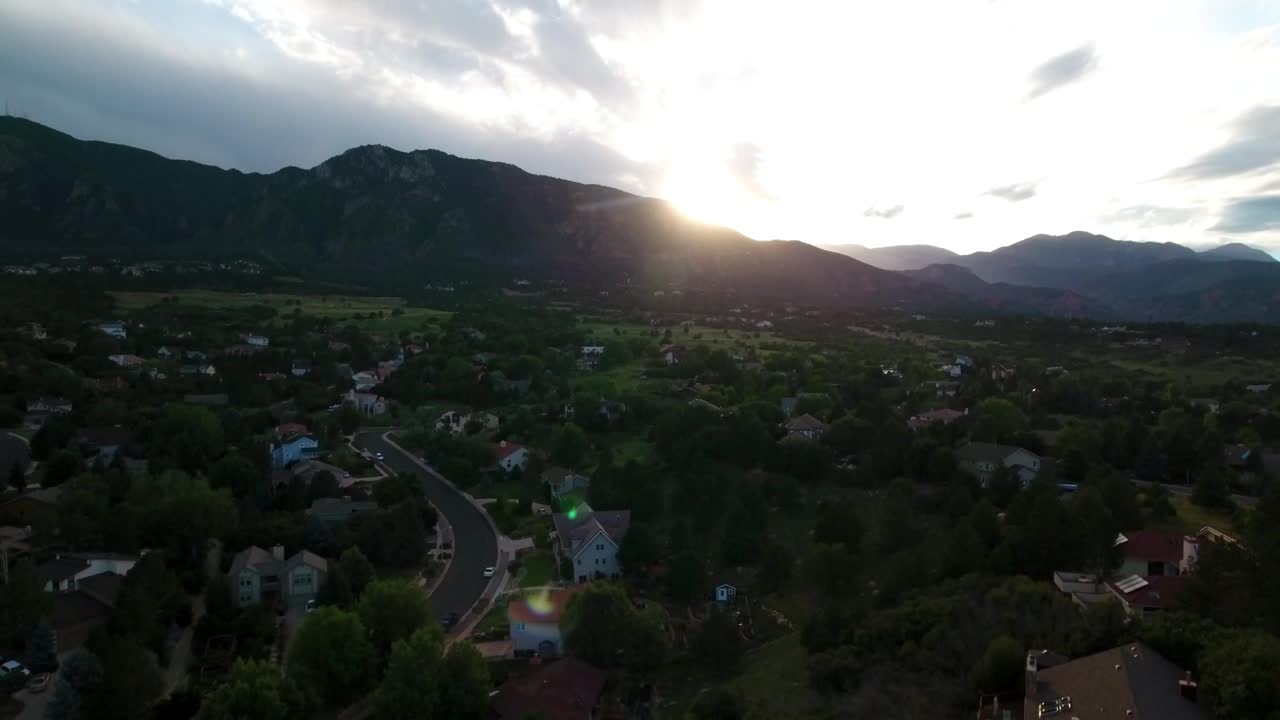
x,y
1067,260
1235,251
897,257
1005,297
381,215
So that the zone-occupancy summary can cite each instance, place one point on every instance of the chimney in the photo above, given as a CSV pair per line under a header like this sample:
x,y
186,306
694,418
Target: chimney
x,y
277,552
1031,689
1189,688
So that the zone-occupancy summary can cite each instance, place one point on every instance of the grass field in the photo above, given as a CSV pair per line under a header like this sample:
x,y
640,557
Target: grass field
x,y
538,567
1191,517
337,307
716,338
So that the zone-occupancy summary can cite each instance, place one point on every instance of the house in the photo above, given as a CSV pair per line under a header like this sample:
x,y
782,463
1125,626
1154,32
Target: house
x,y
1130,682
788,406
589,540
1149,553
567,689
534,622
1145,595
290,428
1258,389
208,400
1000,373
300,368
115,329
76,614
127,361
964,361
267,578
36,508
66,571
1209,405
457,423
591,350
952,371
726,594
332,512
1237,456
671,354
290,449
196,355
1084,588
806,427
982,459
257,341
512,456
57,406
164,353
105,442
941,388
369,404
564,482
944,416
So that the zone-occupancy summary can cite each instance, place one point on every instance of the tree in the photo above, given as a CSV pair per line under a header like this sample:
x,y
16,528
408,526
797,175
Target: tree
x,y
84,513
1000,668
17,478
415,678
686,578
63,466
570,446
189,436
466,693
79,683
182,512
349,418
253,689
235,473
331,659
997,420
603,627
131,678
639,549
356,570
42,651
1210,489
323,485
719,644
831,567
775,569
1121,498
23,602
390,610
743,538
1240,667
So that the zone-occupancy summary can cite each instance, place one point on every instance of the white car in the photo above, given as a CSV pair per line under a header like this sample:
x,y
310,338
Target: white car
x,y
379,456
311,606
488,572
13,666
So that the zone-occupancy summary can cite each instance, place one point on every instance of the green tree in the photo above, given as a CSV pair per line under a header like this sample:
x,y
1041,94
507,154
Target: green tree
x,y
349,418
743,538
356,570
831,567
718,704
23,602
998,420
131,678
42,651
1001,666
237,474
331,659
17,478
85,517
415,678
76,694
1239,668
390,610
686,578
182,513
639,549
253,689
189,436
776,569
63,466
1211,489
570,446
718,643
603,627
466,693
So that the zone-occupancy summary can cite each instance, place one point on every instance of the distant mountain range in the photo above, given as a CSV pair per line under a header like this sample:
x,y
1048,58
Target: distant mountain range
x,y
383,217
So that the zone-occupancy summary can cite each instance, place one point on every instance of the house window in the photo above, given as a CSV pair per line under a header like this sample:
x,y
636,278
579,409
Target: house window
x,y
600,546
579,561
519,626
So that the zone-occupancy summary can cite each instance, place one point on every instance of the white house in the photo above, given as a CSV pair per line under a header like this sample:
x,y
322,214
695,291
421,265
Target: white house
x,y
115,329
456,422
369,404
512,456
535,622
982,459
590,541
565,482
589,350
126,361
365,379
65,571
260,577
257,341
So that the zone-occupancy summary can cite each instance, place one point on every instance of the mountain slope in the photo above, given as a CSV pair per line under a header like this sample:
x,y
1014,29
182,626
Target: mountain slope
x,y
897,257
1004,297
389,214
1235,251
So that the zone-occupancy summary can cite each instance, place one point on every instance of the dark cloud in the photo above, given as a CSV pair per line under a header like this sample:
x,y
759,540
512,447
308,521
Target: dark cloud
x,y
744,163
1062,70
1251,214
130,86
1254,145
885,213
962,216
1153,215
1014,192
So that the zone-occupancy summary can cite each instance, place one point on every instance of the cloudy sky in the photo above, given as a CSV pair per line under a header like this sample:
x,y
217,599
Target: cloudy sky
x,y
963,123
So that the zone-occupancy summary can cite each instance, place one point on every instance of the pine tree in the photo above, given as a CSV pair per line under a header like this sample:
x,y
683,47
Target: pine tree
x,y
43,651
17,479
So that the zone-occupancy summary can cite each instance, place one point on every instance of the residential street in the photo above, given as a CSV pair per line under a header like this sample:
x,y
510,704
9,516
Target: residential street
x,y
475,544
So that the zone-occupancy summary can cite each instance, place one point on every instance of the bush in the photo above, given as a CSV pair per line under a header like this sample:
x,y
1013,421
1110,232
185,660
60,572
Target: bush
x,y
514,566
183,616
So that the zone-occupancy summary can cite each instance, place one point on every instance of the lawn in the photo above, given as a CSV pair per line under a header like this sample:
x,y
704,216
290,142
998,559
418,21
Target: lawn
x,y
1191,517
378,314
538,568
771,681
495,619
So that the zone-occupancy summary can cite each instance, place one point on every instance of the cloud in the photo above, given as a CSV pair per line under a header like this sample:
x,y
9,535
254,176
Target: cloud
x,y
1153,215
962,216
1255,145
744,163
1014,192
1062,70
887,213
1251,214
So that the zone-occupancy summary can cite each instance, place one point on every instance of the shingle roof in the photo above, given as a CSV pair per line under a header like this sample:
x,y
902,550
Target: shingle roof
x,y
507,449
103,587
985,452
806,422
1110,684
1152,545
255,558
306,557
59,569
539,607
566,689
586,523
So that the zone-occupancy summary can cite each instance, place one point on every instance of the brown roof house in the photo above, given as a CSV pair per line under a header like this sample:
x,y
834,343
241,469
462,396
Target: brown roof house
x,y
806,427
1131,682
85,587
260,577
37,509
590,540
567,689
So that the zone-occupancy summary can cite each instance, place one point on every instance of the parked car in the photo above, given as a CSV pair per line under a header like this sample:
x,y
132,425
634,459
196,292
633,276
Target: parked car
x,y
379,456
448,621
13,666
488,572
38,683
311,606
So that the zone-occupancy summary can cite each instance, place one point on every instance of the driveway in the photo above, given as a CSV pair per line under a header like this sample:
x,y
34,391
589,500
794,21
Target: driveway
x,y
475,547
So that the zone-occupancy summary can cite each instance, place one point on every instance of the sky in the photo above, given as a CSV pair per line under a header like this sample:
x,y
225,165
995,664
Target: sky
x,y
968,124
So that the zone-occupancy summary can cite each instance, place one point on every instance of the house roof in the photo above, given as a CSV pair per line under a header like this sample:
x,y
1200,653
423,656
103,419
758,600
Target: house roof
x,y
1114,683
103,587
507,449
1151,545
543,606
582,523
555,474
986,452
61,568
74,609
47,496
291,428
306,557
805,422
1236,454
1157,591
566,689
256,559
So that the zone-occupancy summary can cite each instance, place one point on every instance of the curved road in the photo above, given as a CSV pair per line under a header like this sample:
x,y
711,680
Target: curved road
x,y
475,547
